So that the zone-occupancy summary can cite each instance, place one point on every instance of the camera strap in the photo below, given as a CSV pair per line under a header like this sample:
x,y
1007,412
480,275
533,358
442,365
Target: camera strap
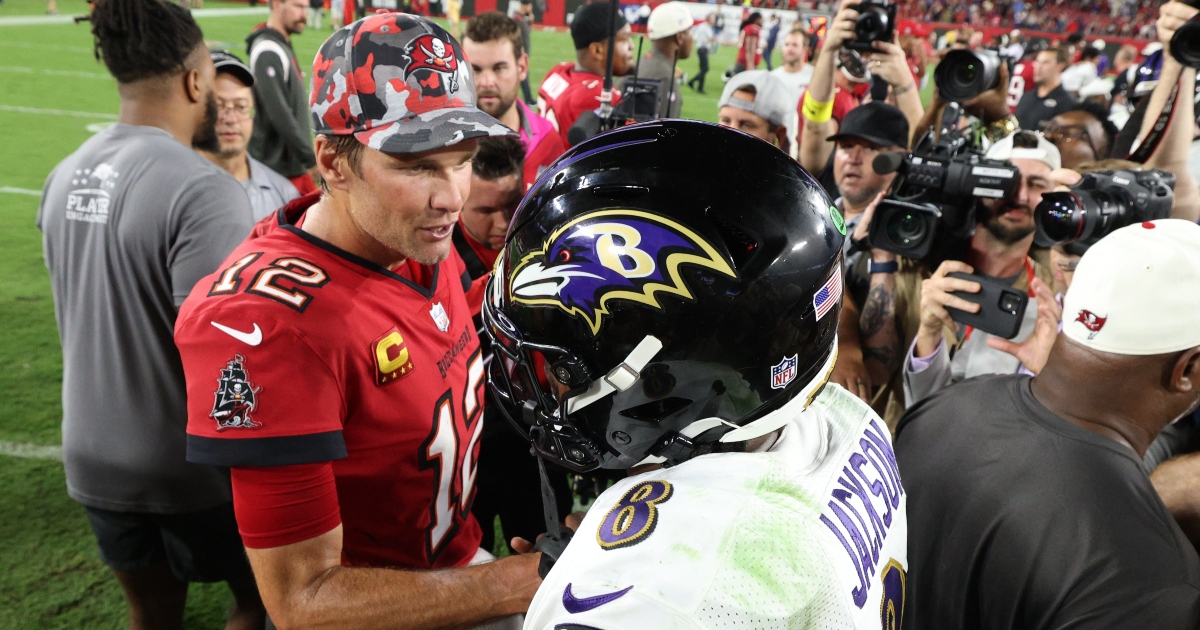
x,y
1156,133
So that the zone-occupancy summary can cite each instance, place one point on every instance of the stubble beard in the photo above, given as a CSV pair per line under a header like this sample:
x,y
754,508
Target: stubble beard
x,y
205,137
506,104
1004,232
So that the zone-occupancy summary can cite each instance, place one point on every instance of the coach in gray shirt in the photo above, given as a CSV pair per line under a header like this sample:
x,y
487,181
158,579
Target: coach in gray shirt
x,y
268,190
131,221
670,31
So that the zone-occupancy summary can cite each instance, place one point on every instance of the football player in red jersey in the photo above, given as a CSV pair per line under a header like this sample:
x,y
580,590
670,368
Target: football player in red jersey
x,y
749,56
570,89
1022,78
333,365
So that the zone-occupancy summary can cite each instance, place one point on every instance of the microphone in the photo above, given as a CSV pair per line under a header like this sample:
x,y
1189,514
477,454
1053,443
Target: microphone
x,y
888,162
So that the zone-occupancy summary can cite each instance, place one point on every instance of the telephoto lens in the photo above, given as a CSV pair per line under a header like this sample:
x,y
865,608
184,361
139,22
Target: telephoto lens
x,y
1185,43
1102,202
964,74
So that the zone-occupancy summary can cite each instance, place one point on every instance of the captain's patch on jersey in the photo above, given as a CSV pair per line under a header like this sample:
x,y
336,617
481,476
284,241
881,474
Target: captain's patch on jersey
x,y
634,517
236,397
392,359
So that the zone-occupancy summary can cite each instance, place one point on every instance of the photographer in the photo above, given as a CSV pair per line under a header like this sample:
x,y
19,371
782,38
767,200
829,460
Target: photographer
x,y
1169,147
817,109
1028,503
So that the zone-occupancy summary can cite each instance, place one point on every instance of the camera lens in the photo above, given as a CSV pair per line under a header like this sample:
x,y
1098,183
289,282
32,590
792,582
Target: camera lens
x,y
1060,216
1185,44
964,74
1010,302
906,228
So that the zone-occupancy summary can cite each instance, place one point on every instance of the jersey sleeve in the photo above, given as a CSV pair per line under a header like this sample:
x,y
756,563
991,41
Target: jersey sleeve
x,y
258,393
284,505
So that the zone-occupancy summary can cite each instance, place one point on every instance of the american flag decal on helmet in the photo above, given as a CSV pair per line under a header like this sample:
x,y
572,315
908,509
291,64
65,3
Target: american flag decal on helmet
x,y
828,295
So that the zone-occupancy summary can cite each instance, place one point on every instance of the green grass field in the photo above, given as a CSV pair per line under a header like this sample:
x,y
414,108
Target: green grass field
x,y
53,96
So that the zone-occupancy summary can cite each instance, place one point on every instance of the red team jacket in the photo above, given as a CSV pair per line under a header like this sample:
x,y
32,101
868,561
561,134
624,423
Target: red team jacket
x,y
566,93
297,352
1021,80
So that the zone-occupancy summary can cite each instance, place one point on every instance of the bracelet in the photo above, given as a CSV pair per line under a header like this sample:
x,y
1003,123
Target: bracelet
x,y
816,111
898,92
886,267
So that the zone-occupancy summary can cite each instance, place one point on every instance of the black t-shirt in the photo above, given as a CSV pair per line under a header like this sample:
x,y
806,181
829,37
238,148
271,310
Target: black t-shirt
x,y
1020,519
1032,110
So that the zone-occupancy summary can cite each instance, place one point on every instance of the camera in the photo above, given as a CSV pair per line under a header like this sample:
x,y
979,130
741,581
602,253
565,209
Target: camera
x,y
1185,43
935,191
876,22
964,74
1103,201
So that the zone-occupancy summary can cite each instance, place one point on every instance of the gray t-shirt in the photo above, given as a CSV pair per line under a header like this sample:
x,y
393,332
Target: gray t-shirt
x,y
130,222
658,67
267,189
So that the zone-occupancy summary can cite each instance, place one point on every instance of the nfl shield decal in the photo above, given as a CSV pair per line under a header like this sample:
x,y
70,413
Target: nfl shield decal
x,y
236,397
440,317
784,372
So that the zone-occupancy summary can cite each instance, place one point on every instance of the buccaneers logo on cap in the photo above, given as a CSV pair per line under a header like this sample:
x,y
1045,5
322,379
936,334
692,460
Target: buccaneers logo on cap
x,y
1091,321
427,52
611,255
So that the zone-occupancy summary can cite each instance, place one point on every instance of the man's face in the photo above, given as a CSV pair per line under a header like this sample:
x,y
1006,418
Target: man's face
x,y
490,207
793,48
205,135
742,120
1046,68
498,74
623,54
856,180
1079,137
293,14
235,117
686,44
410,203
1011,220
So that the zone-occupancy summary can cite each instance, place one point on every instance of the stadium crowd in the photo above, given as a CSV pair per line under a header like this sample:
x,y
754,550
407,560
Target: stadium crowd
x,y
304,304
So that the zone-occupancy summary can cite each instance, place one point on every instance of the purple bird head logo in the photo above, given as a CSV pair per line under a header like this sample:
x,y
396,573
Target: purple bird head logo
x,y
611,255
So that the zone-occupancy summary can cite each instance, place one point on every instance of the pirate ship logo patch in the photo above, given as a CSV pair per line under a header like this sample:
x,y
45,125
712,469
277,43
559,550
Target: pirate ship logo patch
x,y
236,397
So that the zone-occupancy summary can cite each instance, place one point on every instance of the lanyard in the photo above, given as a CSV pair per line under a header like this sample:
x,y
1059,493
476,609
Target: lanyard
x,y
1029,274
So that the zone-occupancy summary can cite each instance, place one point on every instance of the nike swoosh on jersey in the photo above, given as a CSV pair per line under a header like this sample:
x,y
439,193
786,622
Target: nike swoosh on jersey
x,y
575,605
252,338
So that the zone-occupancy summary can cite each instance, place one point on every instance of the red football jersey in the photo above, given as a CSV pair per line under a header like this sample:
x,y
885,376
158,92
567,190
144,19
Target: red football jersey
x,y
744,52
1021,80
297,352
566,93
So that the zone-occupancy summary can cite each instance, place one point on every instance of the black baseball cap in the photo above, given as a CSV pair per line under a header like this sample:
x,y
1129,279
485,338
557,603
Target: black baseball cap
x,y
878,123
593,23
226,61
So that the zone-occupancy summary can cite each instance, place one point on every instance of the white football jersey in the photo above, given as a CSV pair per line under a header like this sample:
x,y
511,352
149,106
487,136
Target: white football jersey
x,y
809,534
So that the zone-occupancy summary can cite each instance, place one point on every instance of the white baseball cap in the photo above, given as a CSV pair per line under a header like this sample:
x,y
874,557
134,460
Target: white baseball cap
x,y
1045,150
669,18
1137,290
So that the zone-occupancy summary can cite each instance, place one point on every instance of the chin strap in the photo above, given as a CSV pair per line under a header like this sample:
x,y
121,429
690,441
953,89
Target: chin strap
x,y
555,541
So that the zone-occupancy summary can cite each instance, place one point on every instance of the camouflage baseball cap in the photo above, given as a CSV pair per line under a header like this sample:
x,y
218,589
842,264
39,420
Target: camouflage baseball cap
x,y
400,84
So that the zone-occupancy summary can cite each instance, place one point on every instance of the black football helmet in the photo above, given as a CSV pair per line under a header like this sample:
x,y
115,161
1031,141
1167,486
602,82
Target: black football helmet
x,y
664,289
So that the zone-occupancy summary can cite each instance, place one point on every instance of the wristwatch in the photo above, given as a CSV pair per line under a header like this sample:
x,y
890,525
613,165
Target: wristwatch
x,y
887,267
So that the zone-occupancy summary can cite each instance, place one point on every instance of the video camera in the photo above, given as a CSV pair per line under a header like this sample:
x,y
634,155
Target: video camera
x,y
935,190
1102,202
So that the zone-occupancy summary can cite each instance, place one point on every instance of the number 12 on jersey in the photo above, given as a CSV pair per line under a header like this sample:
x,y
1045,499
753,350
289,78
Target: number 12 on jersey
x,y
453,477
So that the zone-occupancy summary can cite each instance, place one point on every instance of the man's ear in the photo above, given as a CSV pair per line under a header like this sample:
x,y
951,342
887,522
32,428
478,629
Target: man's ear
x,y
598,50
191,85
334,168
523,67
1185,377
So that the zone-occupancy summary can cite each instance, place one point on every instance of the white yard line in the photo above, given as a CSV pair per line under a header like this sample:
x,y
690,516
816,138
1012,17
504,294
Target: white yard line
x,y
17,109
75,74
12,190
40,20
31,451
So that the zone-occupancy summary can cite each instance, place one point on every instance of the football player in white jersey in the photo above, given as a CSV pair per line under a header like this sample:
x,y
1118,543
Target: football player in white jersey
x,y
660,311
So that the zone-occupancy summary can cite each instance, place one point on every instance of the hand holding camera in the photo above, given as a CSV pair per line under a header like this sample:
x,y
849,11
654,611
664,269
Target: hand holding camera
x,y
1179,30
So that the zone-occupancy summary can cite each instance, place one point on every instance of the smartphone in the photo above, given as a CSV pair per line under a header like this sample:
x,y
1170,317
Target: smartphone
x,y
1001,307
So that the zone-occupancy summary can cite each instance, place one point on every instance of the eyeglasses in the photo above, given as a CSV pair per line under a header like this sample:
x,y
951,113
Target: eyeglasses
x,y
236,110
1067,134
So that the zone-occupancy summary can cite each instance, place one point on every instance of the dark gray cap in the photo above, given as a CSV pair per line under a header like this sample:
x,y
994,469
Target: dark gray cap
x,y
225,61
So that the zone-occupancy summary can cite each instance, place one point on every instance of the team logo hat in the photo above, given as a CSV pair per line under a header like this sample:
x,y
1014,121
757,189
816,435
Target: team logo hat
x,y
400,84
1137,290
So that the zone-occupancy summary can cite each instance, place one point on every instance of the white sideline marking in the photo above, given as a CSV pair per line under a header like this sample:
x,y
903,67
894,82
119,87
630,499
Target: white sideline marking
x,y
55,73
38,20
31,451
20,191
55,112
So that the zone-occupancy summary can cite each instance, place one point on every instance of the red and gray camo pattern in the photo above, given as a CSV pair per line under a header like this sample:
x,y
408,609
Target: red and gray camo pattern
x,y
400,84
